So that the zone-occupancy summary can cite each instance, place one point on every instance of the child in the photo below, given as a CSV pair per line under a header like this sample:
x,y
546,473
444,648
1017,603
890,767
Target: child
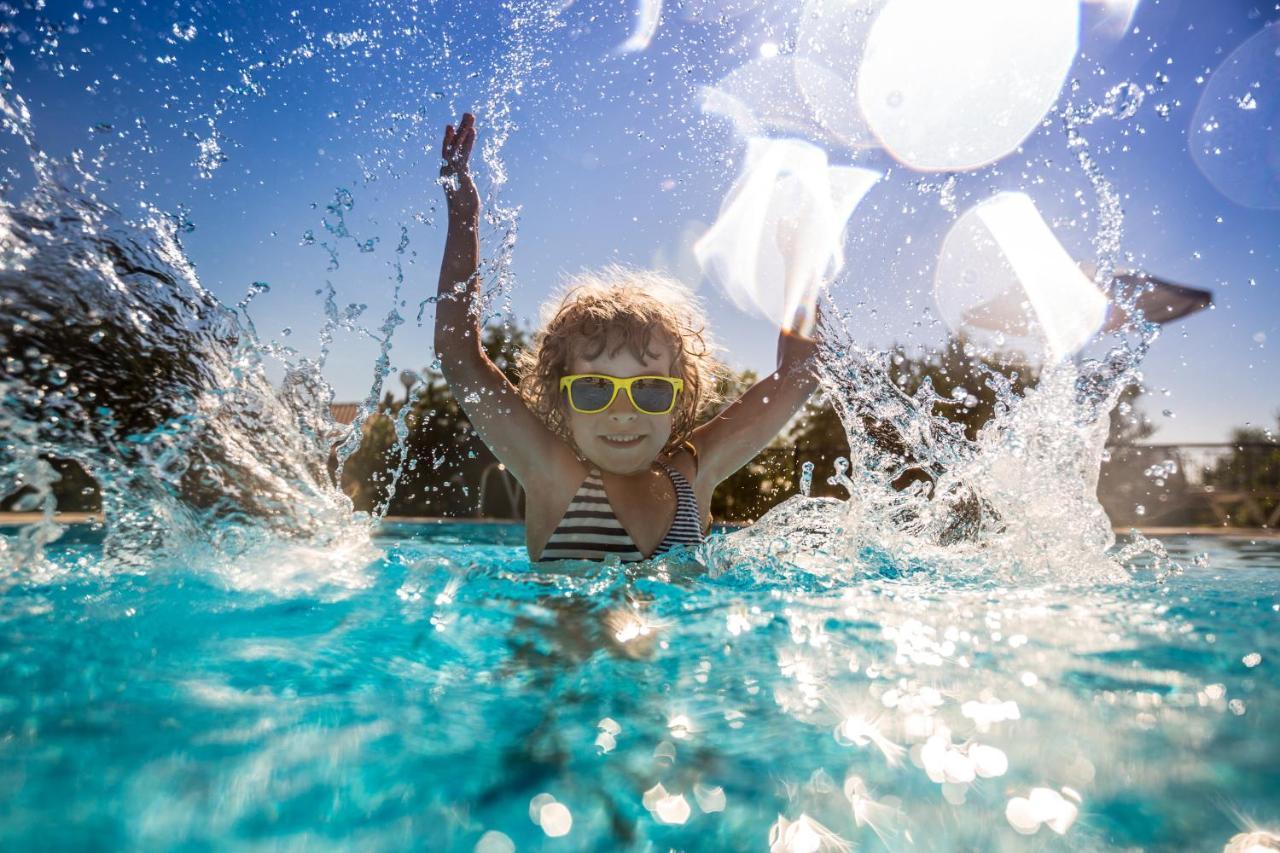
x,y
600,432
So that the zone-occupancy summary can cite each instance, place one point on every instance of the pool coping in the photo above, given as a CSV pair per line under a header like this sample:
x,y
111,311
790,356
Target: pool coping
x,y
13,519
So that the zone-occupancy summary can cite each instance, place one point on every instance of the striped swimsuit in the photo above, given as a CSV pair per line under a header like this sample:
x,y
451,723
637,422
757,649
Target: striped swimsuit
x,y
591,531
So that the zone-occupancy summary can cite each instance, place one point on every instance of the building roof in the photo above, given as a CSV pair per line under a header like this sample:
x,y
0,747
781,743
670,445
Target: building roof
x,y
344,413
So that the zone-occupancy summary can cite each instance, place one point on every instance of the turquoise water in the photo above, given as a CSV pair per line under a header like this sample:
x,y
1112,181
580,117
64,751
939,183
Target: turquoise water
x,y
447,695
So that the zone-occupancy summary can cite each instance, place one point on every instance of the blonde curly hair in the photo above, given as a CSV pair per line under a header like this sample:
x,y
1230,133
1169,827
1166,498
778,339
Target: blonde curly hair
x,y
611,309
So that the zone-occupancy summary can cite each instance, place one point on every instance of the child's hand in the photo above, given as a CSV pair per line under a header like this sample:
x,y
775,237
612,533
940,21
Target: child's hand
x,y
455,171
795,347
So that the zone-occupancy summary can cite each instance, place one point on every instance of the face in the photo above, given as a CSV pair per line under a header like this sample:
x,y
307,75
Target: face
x,y
621,440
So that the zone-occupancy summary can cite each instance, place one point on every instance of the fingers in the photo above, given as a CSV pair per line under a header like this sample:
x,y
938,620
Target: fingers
x,y
448,142
468,140
458,142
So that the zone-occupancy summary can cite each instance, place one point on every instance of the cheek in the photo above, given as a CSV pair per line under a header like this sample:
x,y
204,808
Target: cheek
x,y
580,425
662,426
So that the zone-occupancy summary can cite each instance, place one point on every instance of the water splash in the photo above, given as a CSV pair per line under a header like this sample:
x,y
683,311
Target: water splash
x,y
123,363
1018,500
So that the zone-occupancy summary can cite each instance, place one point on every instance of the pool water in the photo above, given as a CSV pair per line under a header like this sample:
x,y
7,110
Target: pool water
x,y
447,695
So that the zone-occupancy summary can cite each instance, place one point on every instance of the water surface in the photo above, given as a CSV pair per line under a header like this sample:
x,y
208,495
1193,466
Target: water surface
x,y
447,691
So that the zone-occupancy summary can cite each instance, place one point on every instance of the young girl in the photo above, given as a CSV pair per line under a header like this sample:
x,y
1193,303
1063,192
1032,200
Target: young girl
x,y
601,432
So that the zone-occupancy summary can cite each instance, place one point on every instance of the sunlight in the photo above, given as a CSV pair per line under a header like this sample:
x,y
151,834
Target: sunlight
x,y
780,234
1003,271
648,16
947,85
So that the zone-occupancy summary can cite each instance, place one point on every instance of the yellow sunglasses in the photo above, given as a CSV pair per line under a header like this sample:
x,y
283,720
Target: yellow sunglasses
x,y
590,393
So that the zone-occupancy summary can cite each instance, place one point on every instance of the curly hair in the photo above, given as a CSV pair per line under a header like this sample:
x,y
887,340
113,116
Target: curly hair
x,y
611,309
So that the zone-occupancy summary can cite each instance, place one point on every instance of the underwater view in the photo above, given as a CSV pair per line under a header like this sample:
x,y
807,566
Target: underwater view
x,y
796,425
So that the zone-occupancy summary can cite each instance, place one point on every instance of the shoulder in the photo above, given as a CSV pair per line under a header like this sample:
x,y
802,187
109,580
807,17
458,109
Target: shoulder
x,y
549,493
684,459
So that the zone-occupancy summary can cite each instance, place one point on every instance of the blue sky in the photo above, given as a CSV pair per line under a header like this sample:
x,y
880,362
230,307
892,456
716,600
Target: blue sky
x,y
610,159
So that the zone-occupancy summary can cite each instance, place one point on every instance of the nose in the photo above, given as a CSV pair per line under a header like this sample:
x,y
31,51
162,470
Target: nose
x,y
620,410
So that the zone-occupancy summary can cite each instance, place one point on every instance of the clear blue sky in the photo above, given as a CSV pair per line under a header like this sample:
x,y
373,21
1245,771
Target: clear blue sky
x,y
609,158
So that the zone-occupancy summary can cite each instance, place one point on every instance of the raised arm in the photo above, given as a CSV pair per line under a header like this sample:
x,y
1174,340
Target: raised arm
x,y
732,438
493,405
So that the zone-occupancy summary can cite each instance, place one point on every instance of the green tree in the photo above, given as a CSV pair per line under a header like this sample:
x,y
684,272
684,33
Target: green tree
x,y
1253,465
443,458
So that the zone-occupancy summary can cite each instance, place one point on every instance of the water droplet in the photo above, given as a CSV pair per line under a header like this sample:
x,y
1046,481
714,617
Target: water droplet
x,y
806,478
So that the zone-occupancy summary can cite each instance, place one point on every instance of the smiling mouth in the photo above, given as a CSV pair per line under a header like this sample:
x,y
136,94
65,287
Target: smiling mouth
x,y
622,439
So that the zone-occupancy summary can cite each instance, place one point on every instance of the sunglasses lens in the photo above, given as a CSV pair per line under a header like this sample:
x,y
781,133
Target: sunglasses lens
x,y
590,393
653,395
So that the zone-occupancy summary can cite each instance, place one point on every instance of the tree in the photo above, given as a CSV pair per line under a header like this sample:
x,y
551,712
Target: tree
x,y
1253,465
437,467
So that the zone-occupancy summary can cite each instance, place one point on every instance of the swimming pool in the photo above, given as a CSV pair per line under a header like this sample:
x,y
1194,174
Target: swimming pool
x,y
446,695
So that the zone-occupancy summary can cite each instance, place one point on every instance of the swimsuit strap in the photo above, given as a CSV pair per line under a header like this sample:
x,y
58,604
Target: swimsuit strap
x,y
686,527
589,529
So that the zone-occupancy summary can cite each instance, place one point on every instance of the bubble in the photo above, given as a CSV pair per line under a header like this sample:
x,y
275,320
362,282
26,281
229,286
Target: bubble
x,y
1251,660
1233,137
947,85
1003,272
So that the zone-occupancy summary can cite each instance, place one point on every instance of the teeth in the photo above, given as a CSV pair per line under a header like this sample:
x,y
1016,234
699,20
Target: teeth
x,y
621,437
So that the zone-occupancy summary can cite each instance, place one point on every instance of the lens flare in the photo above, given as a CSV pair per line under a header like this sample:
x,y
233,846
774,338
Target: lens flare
x,y
780,234
1004,276
947,85
830,42
760,98
648,15
1111,18
1235,134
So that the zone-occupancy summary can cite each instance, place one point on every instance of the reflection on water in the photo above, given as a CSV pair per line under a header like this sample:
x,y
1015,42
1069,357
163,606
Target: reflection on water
x,y
466,699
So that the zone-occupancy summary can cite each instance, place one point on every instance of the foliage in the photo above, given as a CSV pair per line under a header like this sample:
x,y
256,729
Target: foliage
x,y
444,460
818,435
73,491
1253,465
